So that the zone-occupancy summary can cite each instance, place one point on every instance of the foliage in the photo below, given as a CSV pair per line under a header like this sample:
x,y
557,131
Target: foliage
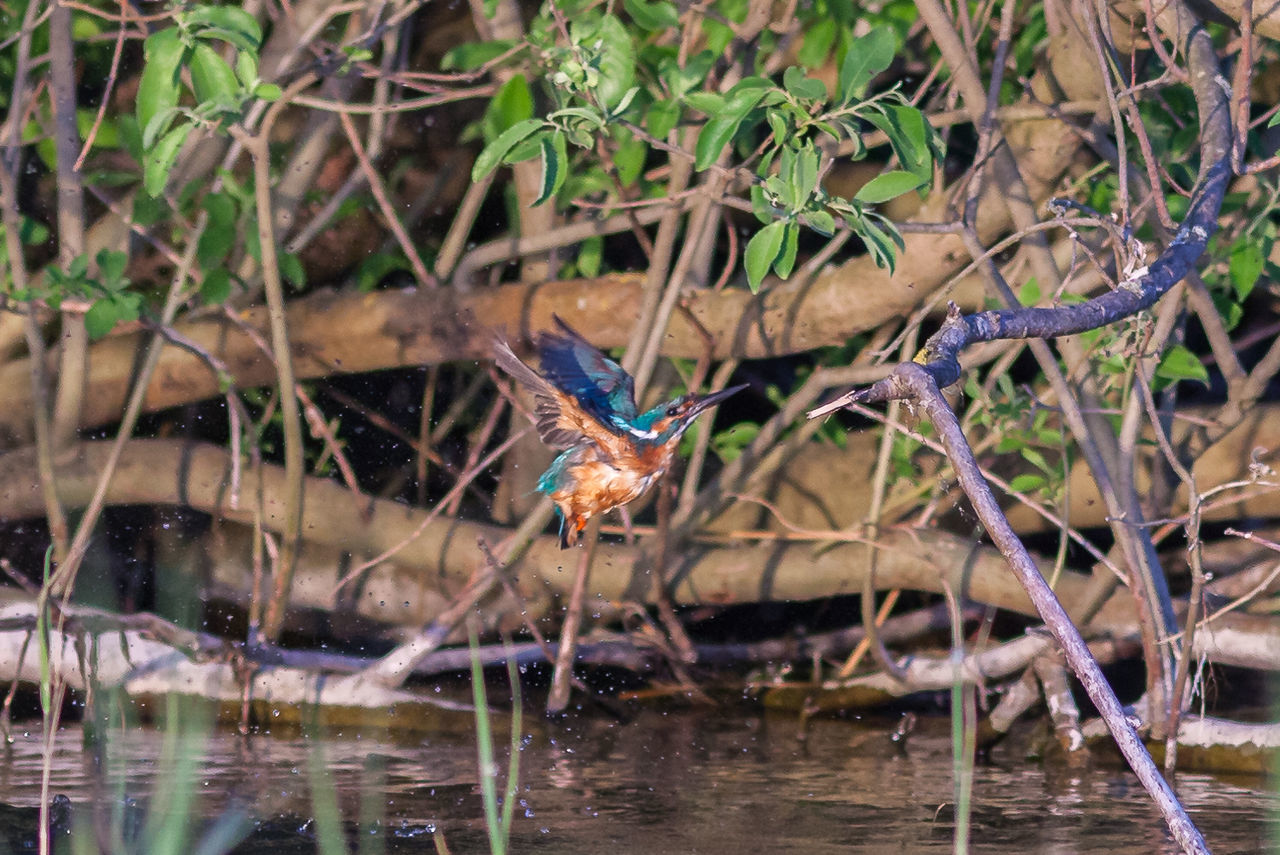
x,y
221,93
609,87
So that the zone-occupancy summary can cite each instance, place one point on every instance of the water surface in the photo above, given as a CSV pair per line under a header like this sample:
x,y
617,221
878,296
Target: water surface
x,y
705,781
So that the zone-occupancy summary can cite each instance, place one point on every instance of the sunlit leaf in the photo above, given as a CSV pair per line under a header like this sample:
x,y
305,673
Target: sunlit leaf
x,y
100,319
887,185
617,61
867,56
1245,266
659,15
472,55
291,269
761,252
809,88
1027,483
821,222
494,153
219,232
161,159
715,135
211,77
555,163
158,87
216,287
661,117
229,23
590,254
512,104
818,40
1178,363
786,260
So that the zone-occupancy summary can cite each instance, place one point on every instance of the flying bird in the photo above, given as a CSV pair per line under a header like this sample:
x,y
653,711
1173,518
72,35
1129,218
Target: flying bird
x,y
585,405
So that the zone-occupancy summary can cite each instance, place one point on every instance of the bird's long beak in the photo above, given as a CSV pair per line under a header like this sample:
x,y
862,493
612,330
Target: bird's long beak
x,y
704,404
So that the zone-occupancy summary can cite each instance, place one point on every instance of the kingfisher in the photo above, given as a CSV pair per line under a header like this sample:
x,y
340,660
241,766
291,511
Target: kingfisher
x,y
585,405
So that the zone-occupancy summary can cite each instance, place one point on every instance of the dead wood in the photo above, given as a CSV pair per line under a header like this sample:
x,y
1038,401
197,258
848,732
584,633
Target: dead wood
x,y
171,472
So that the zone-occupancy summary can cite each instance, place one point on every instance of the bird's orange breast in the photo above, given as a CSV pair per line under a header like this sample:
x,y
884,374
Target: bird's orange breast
x,y
597,484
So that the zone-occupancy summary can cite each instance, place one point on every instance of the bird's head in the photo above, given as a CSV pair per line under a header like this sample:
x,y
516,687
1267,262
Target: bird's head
x,y
668,421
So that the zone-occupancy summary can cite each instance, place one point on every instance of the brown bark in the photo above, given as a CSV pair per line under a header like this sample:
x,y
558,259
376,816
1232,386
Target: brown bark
x,y
170,472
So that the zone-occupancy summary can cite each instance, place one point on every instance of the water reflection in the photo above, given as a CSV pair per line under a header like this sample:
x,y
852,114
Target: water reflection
x,y
704,782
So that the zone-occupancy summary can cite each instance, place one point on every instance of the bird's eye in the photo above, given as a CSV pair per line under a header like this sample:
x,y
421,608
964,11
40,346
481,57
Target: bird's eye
x,y
672,410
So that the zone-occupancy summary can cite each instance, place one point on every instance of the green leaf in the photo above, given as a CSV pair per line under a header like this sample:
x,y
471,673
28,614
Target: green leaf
x,y
158,89
629,160
212,79
818,40
588,116
730,444
1029,294
712,139
661,118
32,232
913,141
761,252
617,61
778,126
681,80
715,135
1035,458
219,232
216,287
808,88
555,163
247,68
1245,266
806,173
887,185
1027,483
590,254
710,103
101,318
512,104
267,91
108,135
821,221
291,269
472,55
158,127
229,23
786,260
494,153
866,57
882,243
111,267
760,205
378,269
717,35
652,16
1178,363
156,167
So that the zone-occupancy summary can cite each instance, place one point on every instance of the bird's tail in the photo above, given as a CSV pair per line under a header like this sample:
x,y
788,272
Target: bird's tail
x,y
570,528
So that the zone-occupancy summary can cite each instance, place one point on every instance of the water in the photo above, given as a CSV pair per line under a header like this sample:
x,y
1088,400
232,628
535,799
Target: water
x,y
714,781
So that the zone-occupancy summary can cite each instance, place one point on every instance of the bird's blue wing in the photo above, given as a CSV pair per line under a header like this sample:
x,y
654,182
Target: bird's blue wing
x,y
596,382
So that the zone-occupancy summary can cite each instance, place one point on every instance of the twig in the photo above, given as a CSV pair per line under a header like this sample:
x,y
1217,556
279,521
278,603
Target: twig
x,y
561,677
384,204
295,466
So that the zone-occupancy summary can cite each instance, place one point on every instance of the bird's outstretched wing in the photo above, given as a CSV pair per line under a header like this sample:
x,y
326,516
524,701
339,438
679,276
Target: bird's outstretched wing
x,y
560,420
596,382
